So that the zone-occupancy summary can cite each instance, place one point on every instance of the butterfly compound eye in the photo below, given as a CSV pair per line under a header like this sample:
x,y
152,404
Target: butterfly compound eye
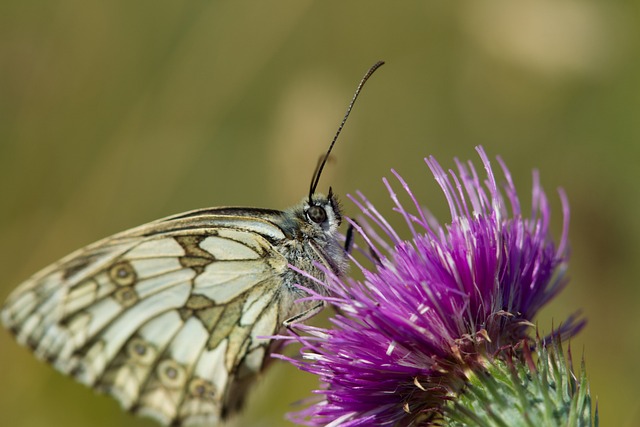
x,y
317,214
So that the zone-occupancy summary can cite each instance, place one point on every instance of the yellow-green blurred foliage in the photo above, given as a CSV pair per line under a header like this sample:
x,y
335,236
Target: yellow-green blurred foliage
x,y
115,113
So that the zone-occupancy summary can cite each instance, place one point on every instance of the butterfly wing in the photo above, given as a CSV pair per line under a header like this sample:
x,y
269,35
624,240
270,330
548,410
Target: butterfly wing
x,y
166,317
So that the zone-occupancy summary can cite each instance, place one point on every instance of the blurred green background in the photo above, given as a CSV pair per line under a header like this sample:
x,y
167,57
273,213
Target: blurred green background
x,y
116,113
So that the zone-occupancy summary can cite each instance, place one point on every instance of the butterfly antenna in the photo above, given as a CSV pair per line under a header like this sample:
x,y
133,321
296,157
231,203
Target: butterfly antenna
x,y
316,174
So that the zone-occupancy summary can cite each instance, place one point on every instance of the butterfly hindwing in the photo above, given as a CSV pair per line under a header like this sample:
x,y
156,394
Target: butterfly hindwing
x,y
166,317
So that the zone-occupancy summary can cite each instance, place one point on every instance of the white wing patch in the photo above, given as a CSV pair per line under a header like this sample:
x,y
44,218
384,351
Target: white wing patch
x,y
157,248
225,249
147,287
221,282
254,306
166,323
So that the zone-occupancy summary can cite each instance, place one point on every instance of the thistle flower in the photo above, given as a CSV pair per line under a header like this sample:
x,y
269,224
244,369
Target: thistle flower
x,y
434,306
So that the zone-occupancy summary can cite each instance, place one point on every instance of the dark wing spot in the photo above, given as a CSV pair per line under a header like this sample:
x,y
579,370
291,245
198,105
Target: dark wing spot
x,y
170,373
126,296
185,313
210,317
201,388
140,349
195,257
123,274
137,348
203,309
199,302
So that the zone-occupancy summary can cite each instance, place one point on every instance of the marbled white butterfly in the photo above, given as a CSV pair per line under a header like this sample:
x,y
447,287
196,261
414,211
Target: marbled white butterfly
x,y
168,317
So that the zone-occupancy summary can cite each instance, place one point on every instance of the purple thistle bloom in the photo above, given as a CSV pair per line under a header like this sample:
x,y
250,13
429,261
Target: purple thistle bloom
x,y
434,305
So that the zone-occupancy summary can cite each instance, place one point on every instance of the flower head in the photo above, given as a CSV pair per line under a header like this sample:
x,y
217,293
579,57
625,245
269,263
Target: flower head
x,y
433,305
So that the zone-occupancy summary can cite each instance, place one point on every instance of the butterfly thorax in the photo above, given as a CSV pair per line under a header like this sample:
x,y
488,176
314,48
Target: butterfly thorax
x,y
312,247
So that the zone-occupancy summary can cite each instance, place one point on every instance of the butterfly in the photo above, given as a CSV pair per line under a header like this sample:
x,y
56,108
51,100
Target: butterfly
x,y
170,317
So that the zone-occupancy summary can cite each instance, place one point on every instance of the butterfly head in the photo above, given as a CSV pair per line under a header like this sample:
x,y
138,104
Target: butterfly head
x,y
323,212
317,217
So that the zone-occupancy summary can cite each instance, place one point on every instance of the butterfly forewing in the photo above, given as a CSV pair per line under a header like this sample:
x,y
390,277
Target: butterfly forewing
x,y
170,317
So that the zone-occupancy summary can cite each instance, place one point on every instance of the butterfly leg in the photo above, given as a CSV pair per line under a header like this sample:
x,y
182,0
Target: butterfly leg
x,y
348,241
375,256
290,322
350,238
305,315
